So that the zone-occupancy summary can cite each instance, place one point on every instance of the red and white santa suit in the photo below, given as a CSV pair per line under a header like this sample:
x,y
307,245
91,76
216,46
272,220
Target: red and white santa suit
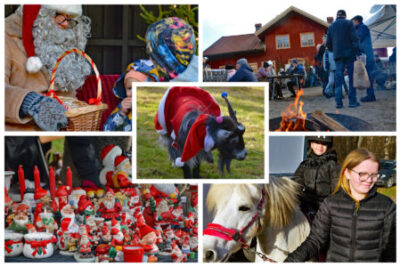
x,y
175,104
61,196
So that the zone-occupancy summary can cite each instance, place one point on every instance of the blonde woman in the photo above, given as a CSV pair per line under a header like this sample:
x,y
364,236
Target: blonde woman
x,y
355,223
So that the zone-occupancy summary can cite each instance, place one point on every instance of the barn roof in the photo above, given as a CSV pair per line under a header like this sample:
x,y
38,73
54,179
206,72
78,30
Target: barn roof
x,y
282,15
235,44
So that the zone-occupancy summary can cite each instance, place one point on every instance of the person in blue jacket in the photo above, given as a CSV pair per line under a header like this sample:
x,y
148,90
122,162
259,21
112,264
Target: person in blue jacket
x,y
364,37
343,41
298,69
244,72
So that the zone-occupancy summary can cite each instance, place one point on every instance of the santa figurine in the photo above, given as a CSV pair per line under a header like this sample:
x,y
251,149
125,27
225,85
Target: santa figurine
x,y
20,219
122,163
110,207
190,221
68,219
85,247
107,156
185,245
63,236
148,237
61,196
85,207
177,255
193,242
105,235
177,213
134,202
169,233
117,238
91,222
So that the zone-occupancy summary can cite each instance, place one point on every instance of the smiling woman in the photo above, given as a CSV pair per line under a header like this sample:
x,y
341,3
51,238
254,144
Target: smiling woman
x,y
356,223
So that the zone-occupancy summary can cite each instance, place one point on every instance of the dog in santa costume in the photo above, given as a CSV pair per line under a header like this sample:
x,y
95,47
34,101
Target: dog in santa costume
x,y
35,37
190,123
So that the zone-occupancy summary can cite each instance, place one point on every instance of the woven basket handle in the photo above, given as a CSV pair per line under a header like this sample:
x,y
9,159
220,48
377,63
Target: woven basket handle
x,y
52,93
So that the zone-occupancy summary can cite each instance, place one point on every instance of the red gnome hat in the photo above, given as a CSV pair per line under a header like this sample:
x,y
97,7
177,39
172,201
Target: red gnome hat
x,y
29,14
145,229
39,193
62,191
108,154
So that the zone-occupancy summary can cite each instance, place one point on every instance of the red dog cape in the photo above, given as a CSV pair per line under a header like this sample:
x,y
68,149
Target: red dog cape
x,y
175,104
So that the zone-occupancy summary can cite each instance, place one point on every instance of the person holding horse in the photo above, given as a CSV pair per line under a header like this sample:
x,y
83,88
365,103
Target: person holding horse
x,y
317,174
355,223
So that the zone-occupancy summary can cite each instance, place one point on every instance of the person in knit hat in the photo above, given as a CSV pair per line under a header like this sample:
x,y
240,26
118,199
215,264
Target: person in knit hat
x,y
35,37
244,72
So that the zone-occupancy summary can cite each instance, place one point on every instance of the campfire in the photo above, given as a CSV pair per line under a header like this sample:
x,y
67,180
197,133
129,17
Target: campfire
x,y
293,118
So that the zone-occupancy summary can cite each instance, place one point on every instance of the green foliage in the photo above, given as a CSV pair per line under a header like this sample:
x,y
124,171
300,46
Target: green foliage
x,y
389,192
57,146
152,157
186,12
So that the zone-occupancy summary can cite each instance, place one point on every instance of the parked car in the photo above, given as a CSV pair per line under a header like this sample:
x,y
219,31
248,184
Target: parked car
x,y
387,173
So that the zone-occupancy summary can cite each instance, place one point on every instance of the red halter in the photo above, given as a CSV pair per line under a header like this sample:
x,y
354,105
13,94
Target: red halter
x,y
229,234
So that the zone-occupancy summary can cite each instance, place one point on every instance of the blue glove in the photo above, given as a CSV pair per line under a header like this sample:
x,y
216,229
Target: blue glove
x,y
48,114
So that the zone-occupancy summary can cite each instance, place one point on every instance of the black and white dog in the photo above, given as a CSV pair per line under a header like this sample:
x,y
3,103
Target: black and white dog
x,y
191,125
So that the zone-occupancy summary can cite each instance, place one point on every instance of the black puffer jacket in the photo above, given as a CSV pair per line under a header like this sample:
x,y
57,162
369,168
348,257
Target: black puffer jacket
x,y
364,235
318,176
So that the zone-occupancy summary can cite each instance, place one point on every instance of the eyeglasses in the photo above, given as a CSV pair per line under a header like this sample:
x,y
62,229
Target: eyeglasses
x,y
364,176
61,18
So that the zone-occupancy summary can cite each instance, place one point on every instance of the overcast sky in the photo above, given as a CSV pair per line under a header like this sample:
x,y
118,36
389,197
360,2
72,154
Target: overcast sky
x,y
224,17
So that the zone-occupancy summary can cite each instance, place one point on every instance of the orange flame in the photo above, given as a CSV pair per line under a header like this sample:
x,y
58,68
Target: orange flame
x,y
293,117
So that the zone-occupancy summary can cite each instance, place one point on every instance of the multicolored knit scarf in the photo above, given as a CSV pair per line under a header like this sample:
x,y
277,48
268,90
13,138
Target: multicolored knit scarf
x,y
170,45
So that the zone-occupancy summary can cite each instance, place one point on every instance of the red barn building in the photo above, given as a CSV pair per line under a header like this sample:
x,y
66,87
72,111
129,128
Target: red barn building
x,y
292,34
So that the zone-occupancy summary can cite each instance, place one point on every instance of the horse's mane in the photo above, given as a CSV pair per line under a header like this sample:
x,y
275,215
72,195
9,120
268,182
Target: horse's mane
x,y
282,200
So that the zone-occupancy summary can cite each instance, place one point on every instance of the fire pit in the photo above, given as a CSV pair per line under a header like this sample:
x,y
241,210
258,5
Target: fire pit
x,y
293,118
350,122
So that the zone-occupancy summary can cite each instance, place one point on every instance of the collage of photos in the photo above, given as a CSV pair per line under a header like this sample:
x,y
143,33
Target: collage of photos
x,y
158,132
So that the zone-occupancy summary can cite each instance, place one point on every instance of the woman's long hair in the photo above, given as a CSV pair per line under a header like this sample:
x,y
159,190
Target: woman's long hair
x,y
354,158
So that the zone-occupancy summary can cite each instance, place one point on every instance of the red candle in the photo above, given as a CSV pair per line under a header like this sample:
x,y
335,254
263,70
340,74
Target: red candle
x,y
69,179
36,177
52,181
21,180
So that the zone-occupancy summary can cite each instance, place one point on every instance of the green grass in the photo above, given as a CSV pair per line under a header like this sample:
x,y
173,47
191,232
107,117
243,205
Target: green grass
x,y
152,157
57,146
390,192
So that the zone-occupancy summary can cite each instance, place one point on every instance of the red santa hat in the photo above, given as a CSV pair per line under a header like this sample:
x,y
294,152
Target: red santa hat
x,y
164,190
40,192
22,207
119,159
108,154
110,191
84,203
145,229
62,191
29,14
115,231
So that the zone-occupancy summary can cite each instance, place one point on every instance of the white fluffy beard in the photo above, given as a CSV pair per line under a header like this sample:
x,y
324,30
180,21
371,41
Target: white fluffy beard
x,y
67,215
51,42
109,204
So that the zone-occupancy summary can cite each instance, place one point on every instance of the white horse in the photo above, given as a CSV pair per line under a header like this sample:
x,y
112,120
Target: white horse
x,y
269,212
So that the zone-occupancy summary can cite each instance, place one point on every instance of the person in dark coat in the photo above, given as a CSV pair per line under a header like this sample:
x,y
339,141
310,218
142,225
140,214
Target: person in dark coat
x,y
244,72
364,37
295,68
343,41
317,174
355,223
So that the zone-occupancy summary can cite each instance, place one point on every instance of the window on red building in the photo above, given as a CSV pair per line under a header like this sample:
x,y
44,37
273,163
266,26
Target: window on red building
x,y
307,39
282,41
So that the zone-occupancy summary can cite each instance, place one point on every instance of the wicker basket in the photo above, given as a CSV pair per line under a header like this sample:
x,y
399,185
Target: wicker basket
x,y
81,115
